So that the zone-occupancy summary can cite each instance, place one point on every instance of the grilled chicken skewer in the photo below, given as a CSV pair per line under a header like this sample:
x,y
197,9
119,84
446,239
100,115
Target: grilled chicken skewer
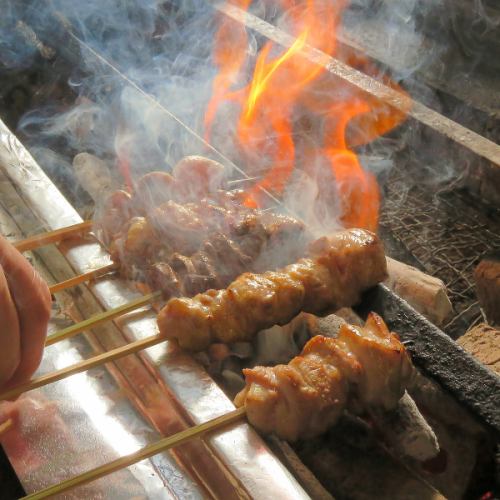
x,y
184,233
341,267
164,262
363,368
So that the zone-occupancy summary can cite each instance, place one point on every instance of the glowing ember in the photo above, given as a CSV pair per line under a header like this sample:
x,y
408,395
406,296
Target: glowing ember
x,y
285,85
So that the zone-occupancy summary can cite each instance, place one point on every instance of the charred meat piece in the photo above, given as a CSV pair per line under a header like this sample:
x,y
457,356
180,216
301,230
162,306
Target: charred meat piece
x,y
365,367
197,177
152,190
342,267
115,213
191,280
179,226
161,276
251,235
137,245
229,259
205,266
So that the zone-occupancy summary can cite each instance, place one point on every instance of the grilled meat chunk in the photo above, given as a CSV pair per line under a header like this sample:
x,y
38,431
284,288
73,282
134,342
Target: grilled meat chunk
x,y
197,177
179,225
364,367
161,276
152,190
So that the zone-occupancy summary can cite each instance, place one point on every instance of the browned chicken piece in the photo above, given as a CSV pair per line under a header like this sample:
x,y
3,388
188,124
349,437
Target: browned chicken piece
x,y
342,267
152,190
178,225
155,188
161,276
113,215
197,177
364,367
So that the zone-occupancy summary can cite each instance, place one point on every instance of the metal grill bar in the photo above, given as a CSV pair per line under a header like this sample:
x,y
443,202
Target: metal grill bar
x,y
474,142
432,350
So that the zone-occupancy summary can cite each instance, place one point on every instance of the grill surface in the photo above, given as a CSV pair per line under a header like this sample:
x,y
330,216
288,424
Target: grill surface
x,y
426,231
445,233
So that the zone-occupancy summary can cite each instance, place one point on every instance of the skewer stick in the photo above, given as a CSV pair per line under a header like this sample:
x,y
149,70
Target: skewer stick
x,y
146,452
81,366
243,180
100,318
48,237
82,278
5,426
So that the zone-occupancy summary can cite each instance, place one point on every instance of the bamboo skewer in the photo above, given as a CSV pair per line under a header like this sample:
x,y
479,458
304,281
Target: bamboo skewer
x,y
52,236
100,318
82,278
5,426
81,366
146,452
96,360
244,180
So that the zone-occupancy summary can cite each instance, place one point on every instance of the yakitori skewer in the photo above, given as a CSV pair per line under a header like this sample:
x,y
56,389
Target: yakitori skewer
x,y
146,452
100,318
55,236
82,366
82,278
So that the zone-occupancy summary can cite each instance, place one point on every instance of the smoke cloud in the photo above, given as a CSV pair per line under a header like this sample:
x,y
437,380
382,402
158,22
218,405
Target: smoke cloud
x,y
136,68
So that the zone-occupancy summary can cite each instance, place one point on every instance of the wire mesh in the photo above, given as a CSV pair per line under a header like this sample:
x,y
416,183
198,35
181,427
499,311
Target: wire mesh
x,y
446,233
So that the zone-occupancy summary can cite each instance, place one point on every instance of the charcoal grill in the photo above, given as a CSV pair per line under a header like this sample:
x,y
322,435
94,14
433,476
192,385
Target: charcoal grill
x,y
433,351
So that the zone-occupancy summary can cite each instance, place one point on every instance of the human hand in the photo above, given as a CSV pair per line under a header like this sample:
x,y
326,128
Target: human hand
x,y
25,305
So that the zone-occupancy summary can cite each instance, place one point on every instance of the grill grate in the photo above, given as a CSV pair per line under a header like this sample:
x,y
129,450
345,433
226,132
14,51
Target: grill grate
x,y
445,233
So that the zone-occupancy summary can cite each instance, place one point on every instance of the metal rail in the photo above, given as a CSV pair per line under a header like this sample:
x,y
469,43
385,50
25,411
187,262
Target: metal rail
x,y
439,356
463,136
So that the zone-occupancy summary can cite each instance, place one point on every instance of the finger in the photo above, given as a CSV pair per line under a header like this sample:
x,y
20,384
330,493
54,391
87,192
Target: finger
x,y
33,303
9,333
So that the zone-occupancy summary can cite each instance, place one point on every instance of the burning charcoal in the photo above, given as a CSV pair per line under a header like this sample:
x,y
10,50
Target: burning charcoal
x,y
231,374
360,469
407,431
427,294
280,344
483,342
487,277
242,350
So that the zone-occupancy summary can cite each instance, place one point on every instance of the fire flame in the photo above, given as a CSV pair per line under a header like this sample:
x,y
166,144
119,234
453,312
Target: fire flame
x,y
284,85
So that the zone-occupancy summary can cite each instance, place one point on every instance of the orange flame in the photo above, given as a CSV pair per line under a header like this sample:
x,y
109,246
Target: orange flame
x,y
285,83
